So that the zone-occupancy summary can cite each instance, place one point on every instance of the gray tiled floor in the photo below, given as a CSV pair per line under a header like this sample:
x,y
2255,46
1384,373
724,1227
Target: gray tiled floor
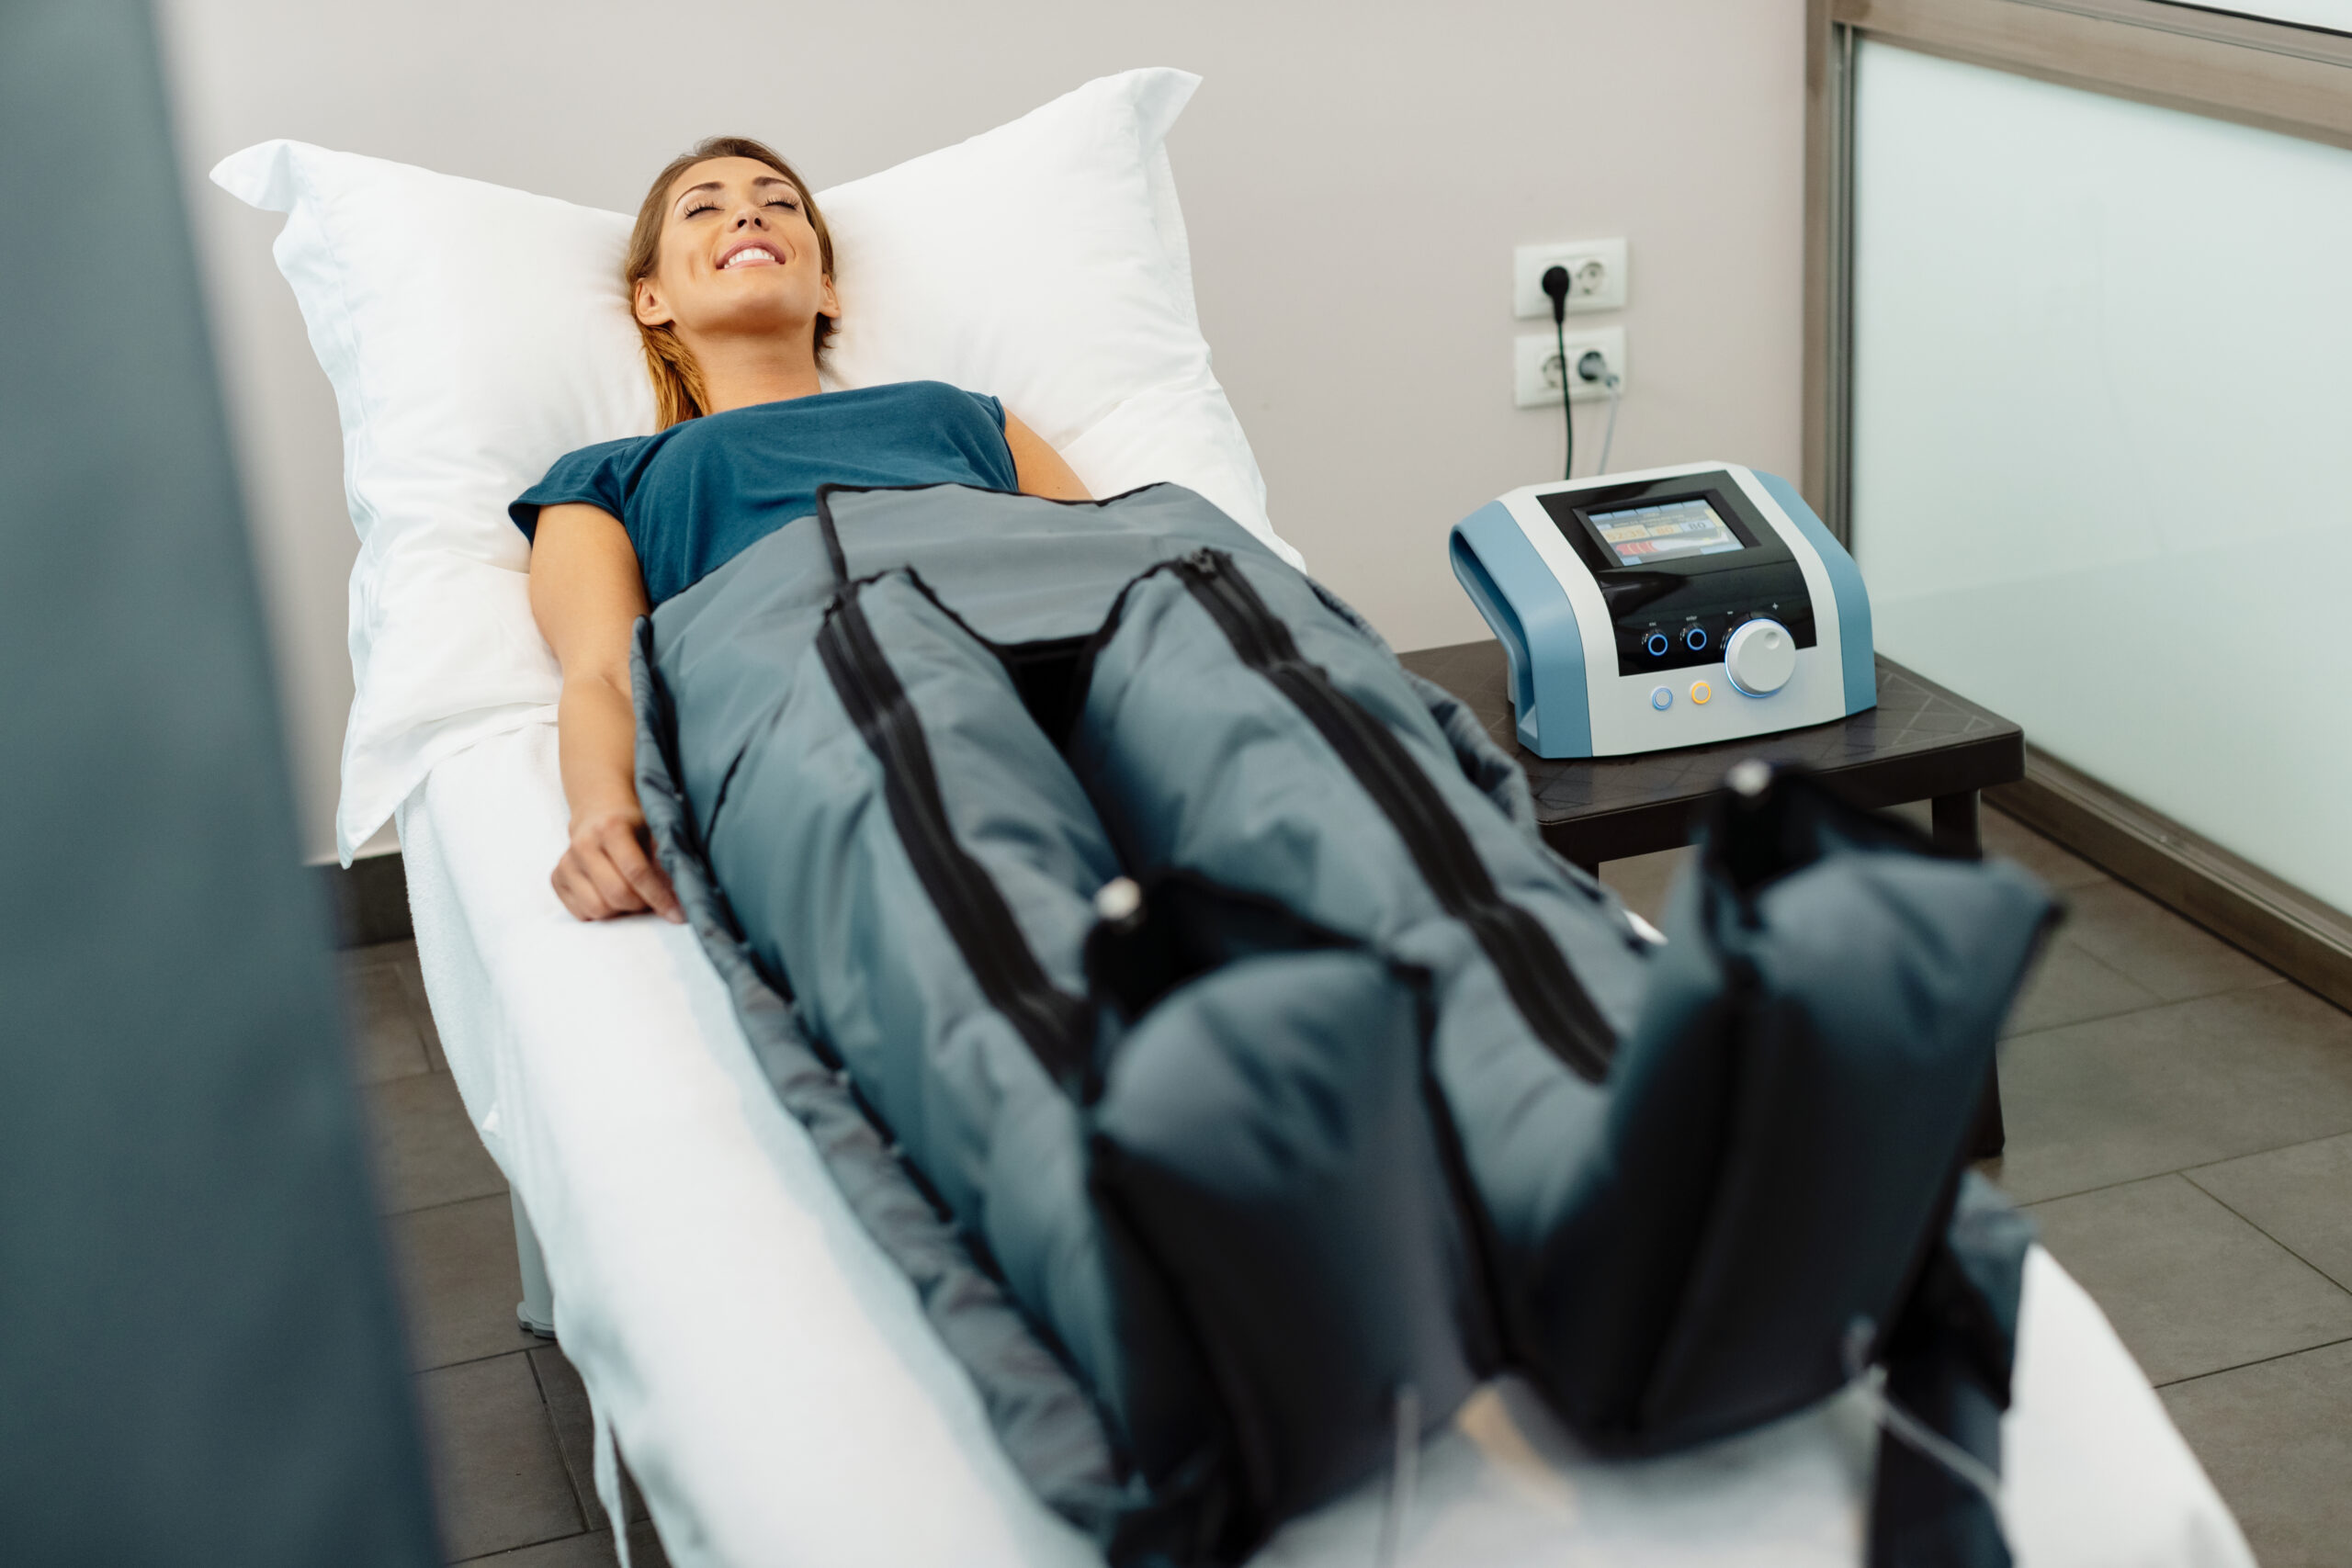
x,y
505,1413
2180,1123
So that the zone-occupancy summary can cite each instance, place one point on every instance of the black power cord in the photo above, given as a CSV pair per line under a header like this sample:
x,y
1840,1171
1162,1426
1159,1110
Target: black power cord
x,y
1555,283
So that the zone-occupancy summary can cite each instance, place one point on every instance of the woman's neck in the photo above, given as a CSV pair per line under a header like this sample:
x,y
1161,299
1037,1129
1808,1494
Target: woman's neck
x,y
740,372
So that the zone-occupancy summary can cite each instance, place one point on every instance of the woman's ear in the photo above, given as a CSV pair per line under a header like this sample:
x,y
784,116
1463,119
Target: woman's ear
x,y
831,305
647,301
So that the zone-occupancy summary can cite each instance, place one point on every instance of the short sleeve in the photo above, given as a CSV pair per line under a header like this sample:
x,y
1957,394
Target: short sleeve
x,y
591,476
995,458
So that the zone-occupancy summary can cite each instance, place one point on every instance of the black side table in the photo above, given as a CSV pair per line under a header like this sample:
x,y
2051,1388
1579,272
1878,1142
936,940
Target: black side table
x,y
1921,742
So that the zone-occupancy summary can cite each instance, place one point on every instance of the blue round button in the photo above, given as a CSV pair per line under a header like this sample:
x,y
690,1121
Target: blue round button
x,y
1695,638
1662,699
1658,644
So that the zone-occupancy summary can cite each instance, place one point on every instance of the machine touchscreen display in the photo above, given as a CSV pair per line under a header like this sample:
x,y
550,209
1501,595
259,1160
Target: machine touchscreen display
x,y
1642,535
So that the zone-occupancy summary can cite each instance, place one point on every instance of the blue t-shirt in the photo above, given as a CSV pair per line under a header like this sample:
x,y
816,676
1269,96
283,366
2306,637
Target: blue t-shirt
x,y
699,493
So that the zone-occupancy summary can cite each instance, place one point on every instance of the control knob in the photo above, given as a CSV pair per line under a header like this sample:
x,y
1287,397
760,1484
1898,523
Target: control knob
x,y
1760,657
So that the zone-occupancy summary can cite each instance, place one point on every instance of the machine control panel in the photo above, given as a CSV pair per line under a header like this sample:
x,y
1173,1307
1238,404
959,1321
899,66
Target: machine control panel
x,y
1682,564
1704,639
1677,606
1760,657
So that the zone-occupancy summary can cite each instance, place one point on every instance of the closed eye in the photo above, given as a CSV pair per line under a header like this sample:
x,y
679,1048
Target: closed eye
x,y
787,203
704,206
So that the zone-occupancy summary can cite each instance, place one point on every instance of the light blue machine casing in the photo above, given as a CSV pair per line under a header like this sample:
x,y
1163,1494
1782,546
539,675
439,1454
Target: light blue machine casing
x,y
1545,604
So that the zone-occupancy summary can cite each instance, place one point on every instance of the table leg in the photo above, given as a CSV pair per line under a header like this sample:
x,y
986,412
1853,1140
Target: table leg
x,y
1955,822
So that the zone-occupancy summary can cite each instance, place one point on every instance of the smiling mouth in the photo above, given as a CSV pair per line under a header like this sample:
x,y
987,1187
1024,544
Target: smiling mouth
x,y
751,255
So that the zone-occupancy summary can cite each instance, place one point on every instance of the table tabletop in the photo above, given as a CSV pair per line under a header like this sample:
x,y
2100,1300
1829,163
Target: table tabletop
x,y
1921,742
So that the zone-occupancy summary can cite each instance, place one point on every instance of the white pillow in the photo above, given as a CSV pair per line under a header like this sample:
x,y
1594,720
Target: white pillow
x,y
474,334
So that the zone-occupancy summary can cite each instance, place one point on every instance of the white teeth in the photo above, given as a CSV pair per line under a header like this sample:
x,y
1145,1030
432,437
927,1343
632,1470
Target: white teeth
x,y
747,254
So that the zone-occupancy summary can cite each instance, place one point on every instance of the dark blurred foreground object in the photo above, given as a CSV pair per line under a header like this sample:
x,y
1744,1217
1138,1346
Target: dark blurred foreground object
x,y
1921,742
1861,977
199,1354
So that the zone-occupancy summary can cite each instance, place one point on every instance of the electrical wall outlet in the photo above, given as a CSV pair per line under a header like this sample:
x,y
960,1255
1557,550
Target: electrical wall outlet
x,y
1596,276
1536,370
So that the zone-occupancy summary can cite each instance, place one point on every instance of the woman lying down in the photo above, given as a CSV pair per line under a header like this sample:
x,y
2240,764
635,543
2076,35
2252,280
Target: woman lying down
x,y
1261,1082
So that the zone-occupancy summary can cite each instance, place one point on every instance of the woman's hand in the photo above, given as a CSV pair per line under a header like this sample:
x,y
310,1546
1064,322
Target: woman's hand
x,y
587,593
608,872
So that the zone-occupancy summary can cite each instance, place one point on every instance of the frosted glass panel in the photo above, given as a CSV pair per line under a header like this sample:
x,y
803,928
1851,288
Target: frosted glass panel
x,y
2334,15
2103,440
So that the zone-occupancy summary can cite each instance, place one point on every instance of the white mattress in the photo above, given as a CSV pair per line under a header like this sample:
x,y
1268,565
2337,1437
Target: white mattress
x,y
781,1400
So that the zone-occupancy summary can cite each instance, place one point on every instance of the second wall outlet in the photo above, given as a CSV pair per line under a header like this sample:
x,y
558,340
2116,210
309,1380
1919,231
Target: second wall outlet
x,y
1596,276
1537,366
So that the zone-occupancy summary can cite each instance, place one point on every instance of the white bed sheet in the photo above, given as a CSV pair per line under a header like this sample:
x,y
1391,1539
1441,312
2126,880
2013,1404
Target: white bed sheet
x,y
781,1400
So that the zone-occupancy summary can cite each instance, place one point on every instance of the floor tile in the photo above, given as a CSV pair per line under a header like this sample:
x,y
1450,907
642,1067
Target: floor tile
x,y
1920,814
575,1435
1644,881
402,956
2301,1196
2277,1439
2139,938
591,1550
427,1149
2117,1099
2190,1287
2012,839
459,1281
384,1038
498,1478
2069,986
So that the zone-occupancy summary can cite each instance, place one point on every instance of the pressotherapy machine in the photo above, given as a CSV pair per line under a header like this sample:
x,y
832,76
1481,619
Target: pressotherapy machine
x,y
1670,608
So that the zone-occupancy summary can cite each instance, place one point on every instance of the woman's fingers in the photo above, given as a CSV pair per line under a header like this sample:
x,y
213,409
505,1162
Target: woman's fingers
x,y
596,861
645,877
581,891
606,873
575,892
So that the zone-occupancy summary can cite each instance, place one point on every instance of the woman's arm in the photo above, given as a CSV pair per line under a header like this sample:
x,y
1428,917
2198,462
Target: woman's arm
x,y
1039,467
587,592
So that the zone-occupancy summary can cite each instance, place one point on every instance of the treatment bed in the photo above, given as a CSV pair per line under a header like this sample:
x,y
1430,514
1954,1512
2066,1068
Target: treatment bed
x,y
779,1394
781,1400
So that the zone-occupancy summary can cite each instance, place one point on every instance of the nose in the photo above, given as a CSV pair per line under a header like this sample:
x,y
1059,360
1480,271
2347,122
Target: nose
x,y
751,216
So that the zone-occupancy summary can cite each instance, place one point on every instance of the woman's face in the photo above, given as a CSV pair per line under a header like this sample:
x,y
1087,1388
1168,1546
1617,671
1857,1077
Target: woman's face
x,y
737,255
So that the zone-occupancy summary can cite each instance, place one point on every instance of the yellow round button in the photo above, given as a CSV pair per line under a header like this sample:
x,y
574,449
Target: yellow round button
x,y
1700,691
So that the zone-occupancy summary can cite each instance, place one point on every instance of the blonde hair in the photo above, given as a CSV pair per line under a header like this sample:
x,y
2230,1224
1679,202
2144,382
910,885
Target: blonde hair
x,y
678,393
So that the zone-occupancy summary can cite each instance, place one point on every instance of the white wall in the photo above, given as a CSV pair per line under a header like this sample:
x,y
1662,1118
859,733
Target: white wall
x,y
2100,406
1354,175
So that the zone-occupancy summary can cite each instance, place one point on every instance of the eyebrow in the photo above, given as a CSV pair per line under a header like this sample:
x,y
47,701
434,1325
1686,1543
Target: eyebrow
x,y
714,185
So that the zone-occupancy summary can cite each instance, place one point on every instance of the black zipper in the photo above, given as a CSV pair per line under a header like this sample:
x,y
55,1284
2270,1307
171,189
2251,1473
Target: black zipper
x,y
967,899
1534,972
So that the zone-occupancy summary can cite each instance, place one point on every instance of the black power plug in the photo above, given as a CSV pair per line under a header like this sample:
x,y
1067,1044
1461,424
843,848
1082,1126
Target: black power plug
x,y
1556,284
